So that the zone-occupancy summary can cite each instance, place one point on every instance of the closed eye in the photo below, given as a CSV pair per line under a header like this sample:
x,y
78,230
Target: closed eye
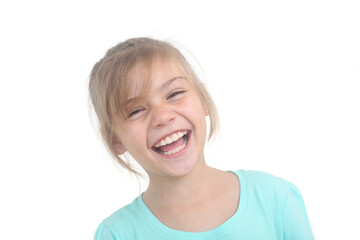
x,y
174,94
134,112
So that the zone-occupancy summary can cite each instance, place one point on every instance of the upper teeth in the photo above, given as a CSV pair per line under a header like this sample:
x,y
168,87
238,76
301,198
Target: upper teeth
x,y
170,139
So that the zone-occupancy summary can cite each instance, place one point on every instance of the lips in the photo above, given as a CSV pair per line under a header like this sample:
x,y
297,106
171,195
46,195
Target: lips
x,y
172,143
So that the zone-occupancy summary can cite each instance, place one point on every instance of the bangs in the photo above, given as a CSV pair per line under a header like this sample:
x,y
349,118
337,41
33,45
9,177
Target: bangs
x,y
129,92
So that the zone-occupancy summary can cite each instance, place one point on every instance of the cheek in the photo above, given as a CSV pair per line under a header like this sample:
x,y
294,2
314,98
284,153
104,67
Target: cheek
x,y
132,136
194,108
195,113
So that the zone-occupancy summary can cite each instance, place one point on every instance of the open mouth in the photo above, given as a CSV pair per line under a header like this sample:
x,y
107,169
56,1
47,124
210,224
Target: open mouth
x,y
172,144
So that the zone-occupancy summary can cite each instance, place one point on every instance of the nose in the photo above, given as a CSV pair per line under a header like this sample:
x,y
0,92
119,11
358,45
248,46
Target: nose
x,y
162,116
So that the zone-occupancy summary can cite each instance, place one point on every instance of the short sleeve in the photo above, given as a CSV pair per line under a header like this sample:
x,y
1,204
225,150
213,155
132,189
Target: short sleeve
x,y
295,220
104,233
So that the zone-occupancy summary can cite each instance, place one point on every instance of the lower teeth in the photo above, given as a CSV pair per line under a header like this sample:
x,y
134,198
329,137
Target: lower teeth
x,y
178,149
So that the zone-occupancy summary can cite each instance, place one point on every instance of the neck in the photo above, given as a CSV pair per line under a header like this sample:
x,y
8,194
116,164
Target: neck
x,y
185,189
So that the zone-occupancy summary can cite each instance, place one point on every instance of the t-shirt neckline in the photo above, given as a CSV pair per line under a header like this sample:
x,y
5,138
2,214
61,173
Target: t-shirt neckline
x,y
214,233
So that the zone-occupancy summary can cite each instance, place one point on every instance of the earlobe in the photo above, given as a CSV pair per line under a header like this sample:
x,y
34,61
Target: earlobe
x,y
205,110
119,148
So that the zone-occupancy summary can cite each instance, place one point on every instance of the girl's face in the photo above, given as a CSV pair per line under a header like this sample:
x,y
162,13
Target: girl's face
x,y
166,133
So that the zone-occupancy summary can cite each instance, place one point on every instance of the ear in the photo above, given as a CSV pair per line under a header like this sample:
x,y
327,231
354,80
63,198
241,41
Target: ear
x,y
119,148
206,111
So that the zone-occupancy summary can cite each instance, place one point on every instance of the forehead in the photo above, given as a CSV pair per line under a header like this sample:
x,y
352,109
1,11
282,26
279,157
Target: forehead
x,y
146,76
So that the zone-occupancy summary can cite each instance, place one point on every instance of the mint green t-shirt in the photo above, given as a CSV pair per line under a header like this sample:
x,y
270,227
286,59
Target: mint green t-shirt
x,y
269,208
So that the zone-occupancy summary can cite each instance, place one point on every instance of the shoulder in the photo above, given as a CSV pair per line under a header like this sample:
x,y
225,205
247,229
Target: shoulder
x,y
260,178
267,186
269,195
123,215
119,224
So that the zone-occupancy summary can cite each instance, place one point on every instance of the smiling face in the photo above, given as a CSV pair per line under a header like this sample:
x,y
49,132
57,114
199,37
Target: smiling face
x,y
166,132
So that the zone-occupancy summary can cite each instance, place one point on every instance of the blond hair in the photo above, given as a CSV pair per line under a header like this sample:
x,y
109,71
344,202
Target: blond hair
x,y
109,84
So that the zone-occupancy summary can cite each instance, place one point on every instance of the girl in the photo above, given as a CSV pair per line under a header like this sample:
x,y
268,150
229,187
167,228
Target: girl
x,y
150,104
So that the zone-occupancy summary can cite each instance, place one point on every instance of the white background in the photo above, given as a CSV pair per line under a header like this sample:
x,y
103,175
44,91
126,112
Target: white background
x,y
284,75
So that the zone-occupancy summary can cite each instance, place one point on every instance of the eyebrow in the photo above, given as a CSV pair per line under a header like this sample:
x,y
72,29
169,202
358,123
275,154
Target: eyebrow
x,y
170,81
164,85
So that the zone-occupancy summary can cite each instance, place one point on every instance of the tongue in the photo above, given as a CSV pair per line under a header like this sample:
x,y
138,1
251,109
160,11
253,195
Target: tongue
x,y
172,145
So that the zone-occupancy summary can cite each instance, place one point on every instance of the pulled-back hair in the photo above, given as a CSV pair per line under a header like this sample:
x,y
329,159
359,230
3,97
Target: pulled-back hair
x,y
110,82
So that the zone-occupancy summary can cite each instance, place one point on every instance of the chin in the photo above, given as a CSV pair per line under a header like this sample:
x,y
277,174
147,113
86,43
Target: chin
x,y
180,162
